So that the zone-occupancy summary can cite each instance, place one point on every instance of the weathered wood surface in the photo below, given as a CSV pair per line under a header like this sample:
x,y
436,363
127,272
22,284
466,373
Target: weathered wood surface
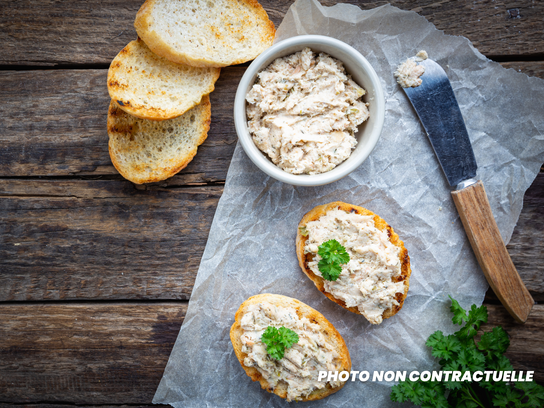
x,y
106,239
51,32
86,353
116,353
526,351
59,405
53,124
526,247
101,239
83,232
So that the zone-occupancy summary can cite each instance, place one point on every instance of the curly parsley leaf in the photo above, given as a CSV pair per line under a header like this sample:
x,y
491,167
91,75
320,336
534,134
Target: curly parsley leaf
x,y
500,364
459,314
471,359
476,316
495,342
329,271
333,251
461,352
444,347
533,392
505,400
277,340
429,394
333,255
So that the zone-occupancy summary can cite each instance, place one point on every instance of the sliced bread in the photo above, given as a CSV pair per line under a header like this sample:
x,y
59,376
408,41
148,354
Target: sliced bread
x,y
330,335
379,223
151,87
205,33
144,151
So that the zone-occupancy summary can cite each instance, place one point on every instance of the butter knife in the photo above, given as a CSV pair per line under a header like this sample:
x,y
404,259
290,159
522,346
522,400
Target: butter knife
x,y
438,111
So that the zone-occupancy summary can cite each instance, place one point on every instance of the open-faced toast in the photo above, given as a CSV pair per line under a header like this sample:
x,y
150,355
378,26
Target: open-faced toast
x,y
205,33
304,258
342,360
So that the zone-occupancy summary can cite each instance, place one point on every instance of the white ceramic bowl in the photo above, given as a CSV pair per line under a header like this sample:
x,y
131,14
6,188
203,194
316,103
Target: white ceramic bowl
x,y
362,73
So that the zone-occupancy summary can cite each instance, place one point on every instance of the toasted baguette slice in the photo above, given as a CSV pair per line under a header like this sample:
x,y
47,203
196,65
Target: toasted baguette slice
x,y
144,151
380,224
151,87
303,310
205,33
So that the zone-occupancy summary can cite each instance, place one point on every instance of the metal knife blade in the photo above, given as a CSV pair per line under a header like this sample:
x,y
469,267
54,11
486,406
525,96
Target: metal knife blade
x,y
440,115
438,110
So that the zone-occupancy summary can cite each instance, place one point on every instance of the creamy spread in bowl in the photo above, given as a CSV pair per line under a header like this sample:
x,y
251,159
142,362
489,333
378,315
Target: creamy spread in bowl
x,y
300,366
303,112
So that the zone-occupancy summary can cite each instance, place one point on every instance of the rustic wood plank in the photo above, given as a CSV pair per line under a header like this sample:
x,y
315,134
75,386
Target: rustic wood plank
x,y
86,353
54,123
97,239
531,68
38,405
115,353
527,244
101,239
526,351
93,32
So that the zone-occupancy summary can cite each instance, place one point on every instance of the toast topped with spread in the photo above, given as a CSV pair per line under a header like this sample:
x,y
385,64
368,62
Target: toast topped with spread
x,y
374,281
295,376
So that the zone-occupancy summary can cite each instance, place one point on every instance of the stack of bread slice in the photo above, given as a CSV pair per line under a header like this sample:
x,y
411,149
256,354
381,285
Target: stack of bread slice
x,y
159,84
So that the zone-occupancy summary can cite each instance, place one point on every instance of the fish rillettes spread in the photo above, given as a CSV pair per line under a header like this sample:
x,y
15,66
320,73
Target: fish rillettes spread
x,y
303,112
300,366
408,73
366,280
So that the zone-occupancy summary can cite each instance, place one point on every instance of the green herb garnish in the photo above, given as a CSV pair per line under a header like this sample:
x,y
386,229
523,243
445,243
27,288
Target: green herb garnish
x,y
460,352
333,255
277,340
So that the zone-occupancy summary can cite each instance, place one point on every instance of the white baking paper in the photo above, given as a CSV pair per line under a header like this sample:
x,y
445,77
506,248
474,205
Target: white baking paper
x,y
251,246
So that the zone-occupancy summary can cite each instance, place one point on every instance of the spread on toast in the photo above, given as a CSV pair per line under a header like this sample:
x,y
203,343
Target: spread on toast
x,y
294,377
375,281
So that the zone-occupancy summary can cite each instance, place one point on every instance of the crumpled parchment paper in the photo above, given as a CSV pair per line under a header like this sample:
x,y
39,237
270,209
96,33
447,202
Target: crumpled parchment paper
x,y
251,246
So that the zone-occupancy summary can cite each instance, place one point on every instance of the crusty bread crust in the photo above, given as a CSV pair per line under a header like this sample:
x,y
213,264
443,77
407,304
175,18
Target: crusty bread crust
x,y
250,13
151,87
303,310
319,282
130,145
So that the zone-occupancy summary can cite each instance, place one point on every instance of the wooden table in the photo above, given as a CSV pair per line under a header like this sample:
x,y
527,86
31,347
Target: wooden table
x,y
96,272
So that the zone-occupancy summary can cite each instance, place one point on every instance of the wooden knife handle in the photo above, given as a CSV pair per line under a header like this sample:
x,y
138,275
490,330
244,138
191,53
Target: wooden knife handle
x,y
485,238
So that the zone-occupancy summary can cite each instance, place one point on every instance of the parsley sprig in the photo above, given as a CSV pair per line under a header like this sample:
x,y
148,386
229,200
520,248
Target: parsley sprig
x,y
461,352
333,255
277,340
